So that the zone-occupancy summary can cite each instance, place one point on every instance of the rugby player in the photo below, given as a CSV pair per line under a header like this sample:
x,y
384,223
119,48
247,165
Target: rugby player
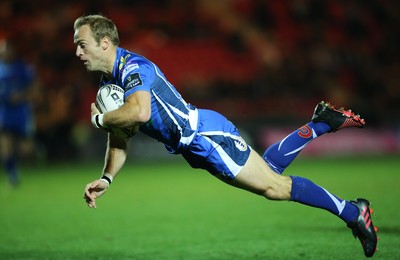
x,y
205,138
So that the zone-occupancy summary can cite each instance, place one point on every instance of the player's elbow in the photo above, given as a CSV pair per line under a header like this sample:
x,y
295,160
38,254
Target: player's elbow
x,y
143,116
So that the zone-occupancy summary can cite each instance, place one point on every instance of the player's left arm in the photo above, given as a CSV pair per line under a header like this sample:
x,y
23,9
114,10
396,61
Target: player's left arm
x,y
115,158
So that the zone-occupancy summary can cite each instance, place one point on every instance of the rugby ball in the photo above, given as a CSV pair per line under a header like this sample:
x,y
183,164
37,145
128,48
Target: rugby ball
x,y
110,97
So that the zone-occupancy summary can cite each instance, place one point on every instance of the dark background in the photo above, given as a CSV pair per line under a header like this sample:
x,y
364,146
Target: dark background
x,y
258,62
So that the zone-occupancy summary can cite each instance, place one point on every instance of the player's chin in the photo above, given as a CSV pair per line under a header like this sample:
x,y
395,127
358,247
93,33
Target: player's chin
x,y
89,66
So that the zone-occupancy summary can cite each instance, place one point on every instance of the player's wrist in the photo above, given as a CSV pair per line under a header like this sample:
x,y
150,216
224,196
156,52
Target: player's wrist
x,y
108,178
97,121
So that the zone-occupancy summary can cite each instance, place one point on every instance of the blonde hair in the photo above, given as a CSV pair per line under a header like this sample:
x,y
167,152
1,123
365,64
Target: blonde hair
x,y
101,27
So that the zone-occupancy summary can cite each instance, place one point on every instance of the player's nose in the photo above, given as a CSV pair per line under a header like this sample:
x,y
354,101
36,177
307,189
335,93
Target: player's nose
x,y
78,51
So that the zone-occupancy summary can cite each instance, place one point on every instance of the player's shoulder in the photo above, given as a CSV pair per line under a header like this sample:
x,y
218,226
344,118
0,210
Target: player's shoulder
x,y
131,59
130,62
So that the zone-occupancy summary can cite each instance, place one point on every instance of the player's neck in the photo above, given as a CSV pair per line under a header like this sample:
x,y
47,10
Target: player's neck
x,y
109,64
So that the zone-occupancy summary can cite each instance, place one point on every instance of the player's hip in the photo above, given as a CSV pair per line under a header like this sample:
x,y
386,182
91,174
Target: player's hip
x,y
217,146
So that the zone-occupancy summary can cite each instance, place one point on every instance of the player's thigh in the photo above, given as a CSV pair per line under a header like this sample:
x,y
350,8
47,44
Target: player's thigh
x,y
258,178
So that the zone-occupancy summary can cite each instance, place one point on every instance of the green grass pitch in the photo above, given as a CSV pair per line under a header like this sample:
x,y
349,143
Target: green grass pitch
x,y
166,210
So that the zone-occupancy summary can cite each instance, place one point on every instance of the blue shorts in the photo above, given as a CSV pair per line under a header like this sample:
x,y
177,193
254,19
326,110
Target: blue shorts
x,y
217,146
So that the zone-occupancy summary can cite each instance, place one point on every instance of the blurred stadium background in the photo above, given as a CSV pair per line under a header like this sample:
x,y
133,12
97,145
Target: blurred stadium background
x,y
264,64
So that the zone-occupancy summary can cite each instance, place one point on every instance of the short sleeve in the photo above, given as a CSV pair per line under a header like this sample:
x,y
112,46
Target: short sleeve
x,y
136,76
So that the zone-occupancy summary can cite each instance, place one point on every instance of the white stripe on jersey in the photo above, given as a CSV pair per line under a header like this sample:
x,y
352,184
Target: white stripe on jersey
x,y
192,117
166,110
168,84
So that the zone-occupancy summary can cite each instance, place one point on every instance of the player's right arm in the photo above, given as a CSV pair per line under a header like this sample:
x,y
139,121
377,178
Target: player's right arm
x,y
135,111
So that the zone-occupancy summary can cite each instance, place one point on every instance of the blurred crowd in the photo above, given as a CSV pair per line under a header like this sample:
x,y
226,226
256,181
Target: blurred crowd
x,y
249,59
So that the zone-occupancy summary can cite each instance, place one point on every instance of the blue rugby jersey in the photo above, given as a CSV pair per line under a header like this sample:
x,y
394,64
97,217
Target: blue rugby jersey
x,y
173,121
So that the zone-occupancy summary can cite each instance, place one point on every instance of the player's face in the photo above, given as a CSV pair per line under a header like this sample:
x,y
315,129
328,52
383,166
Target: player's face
x,y
88,50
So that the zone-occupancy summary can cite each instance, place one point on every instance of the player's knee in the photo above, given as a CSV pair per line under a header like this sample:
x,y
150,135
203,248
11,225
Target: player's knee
x,y
279,190
271,194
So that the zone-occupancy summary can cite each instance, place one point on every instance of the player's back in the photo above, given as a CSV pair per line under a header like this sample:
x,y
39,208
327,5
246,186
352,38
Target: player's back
x,y
172,120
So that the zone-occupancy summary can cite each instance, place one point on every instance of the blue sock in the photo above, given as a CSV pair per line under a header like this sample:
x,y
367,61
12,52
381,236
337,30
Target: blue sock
x,y
281,154
306,192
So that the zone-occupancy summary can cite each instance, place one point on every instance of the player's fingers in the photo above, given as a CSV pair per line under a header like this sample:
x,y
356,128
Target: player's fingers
x,y
94,109
88,196
89,187
90,202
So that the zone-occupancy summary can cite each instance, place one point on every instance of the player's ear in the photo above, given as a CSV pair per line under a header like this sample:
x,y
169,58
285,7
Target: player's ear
x,y
105,43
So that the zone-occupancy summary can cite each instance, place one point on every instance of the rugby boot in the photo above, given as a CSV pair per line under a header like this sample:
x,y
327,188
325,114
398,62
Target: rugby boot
x,y
362,227
336,118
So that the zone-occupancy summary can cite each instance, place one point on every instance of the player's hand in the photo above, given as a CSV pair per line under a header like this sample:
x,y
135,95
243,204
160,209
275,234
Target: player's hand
x,y
94,190
96,117
94,109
